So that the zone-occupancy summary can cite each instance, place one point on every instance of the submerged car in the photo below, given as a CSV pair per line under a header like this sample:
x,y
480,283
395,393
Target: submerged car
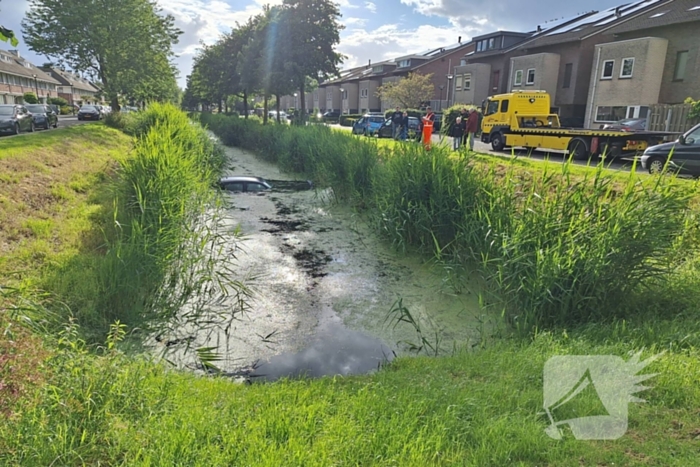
x,y
15,118
43,115
682,155
245,183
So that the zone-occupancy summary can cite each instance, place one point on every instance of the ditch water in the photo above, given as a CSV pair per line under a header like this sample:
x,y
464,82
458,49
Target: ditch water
x,y
323,286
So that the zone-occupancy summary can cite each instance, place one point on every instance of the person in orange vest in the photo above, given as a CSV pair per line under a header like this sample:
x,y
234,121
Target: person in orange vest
x,y
428,121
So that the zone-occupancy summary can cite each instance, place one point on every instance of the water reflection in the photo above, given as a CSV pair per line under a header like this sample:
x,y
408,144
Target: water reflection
x,y
336,351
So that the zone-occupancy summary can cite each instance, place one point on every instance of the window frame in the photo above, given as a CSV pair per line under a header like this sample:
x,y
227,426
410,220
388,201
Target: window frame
x,y
467,82
517,82
622,68
534,76
612,70
685,65
459,81
568,74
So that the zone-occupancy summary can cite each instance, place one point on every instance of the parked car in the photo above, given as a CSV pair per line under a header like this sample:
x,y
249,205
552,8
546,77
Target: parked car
x,y
15,119
414,126
368,125
628,124
244,184
684,155
89,112
331,115
43,115
272,114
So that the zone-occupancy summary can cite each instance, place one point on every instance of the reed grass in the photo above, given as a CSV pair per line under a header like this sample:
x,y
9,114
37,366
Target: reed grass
x,y
560,245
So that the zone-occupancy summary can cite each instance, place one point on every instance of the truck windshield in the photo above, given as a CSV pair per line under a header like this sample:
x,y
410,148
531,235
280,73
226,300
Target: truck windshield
x,y
492,107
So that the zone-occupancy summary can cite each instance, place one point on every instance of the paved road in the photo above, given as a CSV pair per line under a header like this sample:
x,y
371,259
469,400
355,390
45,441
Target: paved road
x,y
64,121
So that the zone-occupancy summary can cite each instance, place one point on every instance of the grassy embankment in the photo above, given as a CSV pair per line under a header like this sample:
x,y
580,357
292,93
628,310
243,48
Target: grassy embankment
x,y
468,409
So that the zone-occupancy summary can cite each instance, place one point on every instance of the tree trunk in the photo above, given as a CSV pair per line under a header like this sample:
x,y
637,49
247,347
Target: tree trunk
x,y
115,104
277,104
265,110
220,106
226,106
245,104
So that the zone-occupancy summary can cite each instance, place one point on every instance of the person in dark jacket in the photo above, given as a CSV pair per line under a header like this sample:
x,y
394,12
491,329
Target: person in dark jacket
x,y
396,119
404,127
464,116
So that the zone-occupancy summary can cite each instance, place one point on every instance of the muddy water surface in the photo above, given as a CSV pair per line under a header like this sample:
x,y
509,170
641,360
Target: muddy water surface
x,y
324,284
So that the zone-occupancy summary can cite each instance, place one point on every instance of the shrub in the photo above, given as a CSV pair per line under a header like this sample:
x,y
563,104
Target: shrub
x,y
30,98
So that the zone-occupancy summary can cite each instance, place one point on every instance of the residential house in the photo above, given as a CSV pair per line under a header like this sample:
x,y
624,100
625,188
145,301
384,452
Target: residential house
x,y
653,58
484,71
73,88
18,76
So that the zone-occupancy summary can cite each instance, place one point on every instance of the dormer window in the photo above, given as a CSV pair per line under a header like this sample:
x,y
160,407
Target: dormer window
x,y
27,64
404,63
5,58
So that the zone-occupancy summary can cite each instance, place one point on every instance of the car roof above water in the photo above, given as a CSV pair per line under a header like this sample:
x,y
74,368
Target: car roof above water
x,y
242,178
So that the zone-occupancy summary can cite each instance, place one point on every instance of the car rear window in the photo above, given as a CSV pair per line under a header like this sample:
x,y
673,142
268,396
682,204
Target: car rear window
x,y
376,119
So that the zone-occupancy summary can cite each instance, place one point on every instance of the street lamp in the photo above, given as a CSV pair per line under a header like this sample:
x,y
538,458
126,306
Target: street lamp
x,y
442,86
36,86
449,86
342,99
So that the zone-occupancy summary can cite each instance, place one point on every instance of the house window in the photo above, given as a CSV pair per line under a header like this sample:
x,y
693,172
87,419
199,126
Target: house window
x,y
681,63
462,62
478,46
492,43
627,68
458,82
518,81
610,113
608,66
467,81
530,76
568,71
404,63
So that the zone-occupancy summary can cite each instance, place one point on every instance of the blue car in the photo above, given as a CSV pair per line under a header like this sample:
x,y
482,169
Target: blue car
x,y
368,125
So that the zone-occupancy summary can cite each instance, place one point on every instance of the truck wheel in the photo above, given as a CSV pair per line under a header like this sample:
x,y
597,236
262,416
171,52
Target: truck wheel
x,y
656,165
578,149
497,142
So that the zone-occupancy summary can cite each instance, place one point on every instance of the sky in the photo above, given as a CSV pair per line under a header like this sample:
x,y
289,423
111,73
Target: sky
x,y
374,30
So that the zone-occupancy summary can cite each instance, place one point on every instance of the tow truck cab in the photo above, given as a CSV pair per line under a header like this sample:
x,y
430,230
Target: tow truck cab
x,y
520,109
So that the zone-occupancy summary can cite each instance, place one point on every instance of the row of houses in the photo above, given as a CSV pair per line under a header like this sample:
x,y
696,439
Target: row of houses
x,y
598,67
19,76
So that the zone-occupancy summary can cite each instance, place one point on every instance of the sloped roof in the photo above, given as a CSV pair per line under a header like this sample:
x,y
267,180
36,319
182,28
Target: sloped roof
x,y
66,78
13,65
665,14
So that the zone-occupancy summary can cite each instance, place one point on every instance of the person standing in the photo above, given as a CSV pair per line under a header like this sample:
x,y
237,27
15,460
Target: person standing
x,y
472,127
404,126
457,133
464,115
396,119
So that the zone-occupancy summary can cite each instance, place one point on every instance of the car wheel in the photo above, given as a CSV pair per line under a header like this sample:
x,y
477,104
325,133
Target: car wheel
x,y
578,149
497,142
656,165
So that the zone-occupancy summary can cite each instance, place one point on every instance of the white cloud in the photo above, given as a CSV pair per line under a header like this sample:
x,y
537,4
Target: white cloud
x,y
371,7
355,21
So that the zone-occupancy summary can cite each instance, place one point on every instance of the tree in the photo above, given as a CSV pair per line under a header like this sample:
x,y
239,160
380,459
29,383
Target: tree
x,y
694,108
309,31
30,98
125,44
408,93
8,35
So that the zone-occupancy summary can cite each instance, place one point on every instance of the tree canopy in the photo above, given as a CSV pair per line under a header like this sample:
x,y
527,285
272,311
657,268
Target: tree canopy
x,y
409,93
283,49
7,35
125,44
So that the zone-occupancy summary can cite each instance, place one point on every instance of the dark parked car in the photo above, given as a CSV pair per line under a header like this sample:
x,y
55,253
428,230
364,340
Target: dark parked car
x,y
629,124
44,116
89,112
684,155
244,184
331,115
15,119
413,129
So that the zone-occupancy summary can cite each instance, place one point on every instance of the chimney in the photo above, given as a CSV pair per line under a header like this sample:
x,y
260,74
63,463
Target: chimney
x,y
15,53
618,13
459,40
369,63
539,28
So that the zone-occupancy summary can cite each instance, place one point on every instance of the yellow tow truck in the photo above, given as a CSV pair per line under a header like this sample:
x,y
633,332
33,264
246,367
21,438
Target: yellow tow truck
x,y
523,119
